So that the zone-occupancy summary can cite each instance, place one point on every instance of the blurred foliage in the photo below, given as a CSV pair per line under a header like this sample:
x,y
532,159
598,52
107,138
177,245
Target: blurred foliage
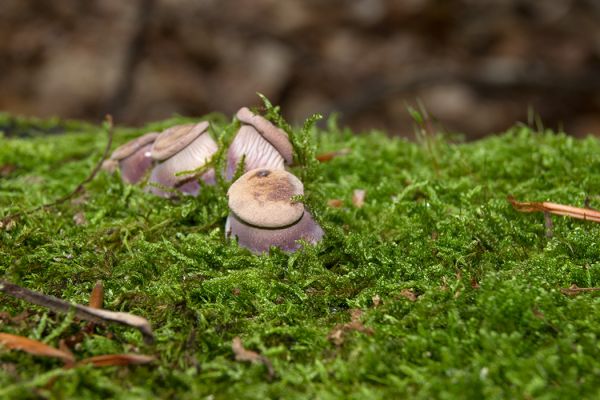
x,y
477,66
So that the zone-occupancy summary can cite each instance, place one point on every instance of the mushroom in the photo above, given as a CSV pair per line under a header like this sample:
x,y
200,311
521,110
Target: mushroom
x,y
263,144
263,213
181,148
132,158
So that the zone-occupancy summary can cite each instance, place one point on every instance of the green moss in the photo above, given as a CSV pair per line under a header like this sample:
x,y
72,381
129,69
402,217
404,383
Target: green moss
x,y
436,221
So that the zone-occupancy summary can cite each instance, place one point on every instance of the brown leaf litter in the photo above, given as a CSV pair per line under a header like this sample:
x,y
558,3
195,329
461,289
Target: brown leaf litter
x,y
243,354
338,333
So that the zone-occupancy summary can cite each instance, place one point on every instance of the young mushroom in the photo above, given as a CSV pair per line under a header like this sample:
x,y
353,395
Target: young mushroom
x,y
132,158
263,144
263,213
181,148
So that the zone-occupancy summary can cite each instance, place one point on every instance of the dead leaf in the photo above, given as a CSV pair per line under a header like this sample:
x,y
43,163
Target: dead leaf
x,y
97,296
7,169
80,218
242,354
325,157
408,294
335,203
557,209
574,290
111,360
7,224
376,301
338,333
537,313
358,198
15,342
81,199
474,283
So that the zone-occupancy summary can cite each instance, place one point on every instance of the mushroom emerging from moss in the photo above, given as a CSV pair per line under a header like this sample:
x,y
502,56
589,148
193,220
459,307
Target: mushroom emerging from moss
x,y
132,158
263,144
181,148
263,213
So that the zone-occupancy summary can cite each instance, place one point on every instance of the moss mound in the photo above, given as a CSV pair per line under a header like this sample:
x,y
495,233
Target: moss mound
x,y
460,295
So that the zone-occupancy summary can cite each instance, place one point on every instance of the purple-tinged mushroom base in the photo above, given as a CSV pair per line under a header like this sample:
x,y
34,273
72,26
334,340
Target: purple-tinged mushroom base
x,y
260,240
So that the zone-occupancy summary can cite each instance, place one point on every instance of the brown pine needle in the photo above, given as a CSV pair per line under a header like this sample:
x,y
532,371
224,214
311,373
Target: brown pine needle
x,y
111,360
97,296
325,157
37,348
557,209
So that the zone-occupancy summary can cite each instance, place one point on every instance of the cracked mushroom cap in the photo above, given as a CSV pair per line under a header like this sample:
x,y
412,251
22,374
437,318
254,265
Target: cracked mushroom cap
x,y
132,158
175,139
262,198
274,135
132,146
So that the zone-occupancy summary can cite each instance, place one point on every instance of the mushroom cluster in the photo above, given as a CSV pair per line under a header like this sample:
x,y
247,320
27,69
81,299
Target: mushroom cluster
x,y
263,209
263,212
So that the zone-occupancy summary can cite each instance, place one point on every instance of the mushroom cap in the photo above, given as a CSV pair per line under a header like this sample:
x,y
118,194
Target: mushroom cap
x,y
175,139
132,146
260,240
262,198
194,156
134,167
258,152
274,135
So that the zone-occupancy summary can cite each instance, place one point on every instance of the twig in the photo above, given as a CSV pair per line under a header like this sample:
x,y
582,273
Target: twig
x,y
80,311
574,289
110,131
555,208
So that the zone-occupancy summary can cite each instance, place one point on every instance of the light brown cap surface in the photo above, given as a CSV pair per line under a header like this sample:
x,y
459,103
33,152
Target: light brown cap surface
x,y
262,197
132,146
175,139
274,135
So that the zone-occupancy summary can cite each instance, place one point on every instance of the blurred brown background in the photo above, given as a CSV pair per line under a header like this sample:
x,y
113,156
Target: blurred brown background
x,y
476,65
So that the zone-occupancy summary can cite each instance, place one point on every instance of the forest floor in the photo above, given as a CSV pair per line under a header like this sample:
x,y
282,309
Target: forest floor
x,y
436,287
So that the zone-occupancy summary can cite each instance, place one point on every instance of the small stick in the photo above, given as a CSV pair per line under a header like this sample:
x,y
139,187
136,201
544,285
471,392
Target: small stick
x,y
574,289
555,208
80,311
325,157
110,131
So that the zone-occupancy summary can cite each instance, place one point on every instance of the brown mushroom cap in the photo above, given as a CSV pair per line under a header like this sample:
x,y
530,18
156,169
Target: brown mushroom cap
x,y
262,197
176,138
132,146
274,135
